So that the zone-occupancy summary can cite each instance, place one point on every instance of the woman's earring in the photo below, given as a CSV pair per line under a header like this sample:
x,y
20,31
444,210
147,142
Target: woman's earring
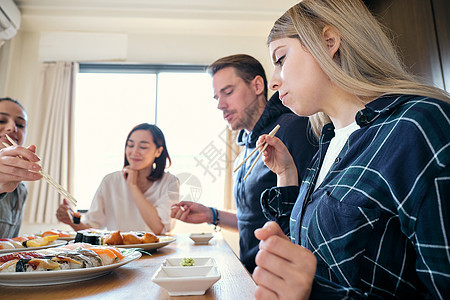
x,y
154,165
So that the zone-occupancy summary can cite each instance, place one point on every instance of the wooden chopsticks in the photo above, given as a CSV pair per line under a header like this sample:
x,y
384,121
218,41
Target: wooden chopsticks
x,y
271,134
48,178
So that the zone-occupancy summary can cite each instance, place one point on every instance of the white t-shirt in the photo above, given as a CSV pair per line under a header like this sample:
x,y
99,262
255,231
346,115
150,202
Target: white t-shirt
x,y
113,208
336,144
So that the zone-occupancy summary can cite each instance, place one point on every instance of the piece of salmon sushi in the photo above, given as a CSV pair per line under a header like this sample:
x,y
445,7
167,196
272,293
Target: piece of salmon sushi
x,y
116,251
107,256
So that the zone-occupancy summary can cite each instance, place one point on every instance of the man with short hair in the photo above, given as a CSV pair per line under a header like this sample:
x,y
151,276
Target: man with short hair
x,y
240,88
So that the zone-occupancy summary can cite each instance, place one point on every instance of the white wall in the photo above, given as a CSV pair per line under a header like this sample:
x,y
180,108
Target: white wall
x,y
27,50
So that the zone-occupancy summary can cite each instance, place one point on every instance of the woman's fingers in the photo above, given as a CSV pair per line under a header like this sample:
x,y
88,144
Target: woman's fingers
x,y
16,169
263,293
19,151
269,229
284,268
32,148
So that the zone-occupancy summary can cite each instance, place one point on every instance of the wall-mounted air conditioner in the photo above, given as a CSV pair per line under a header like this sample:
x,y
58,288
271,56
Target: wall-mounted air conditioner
x,y
9,19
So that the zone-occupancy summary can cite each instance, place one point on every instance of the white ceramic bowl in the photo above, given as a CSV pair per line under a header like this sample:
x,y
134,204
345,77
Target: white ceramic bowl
x,y
201,238
189,280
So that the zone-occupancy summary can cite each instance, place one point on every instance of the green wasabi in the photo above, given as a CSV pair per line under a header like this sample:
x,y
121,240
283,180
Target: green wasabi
x,y
187,262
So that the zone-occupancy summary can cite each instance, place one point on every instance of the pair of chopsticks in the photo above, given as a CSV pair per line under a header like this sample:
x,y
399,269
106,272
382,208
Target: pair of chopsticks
x,y
271,134
48,178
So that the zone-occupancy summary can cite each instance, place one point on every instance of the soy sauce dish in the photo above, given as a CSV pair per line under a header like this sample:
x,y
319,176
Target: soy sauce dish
x,y
201,238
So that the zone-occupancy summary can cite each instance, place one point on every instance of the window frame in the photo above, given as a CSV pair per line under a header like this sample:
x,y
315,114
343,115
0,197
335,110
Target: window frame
x,y
131,68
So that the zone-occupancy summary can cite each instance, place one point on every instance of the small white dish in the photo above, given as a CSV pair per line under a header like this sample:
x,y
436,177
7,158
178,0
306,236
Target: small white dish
x,y
201,238
186,281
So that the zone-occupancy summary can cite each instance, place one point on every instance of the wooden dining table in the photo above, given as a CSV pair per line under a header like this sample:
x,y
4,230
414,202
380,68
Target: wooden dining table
x,y
134,280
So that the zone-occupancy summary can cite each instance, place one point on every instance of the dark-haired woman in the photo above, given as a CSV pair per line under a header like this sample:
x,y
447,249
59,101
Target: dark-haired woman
x,y
140,196
13,169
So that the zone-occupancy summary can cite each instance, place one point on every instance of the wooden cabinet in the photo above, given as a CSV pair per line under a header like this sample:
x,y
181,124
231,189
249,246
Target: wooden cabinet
x,y
420,29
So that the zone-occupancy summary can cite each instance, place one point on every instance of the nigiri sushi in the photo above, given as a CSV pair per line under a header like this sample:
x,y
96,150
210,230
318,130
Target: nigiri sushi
x,y
107,256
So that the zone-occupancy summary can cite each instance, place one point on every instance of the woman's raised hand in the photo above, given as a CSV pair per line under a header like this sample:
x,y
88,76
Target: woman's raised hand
x,y
278,159
130,175
18,164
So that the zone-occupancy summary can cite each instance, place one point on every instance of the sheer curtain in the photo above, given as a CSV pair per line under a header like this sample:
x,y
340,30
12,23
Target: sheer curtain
x,y
54,98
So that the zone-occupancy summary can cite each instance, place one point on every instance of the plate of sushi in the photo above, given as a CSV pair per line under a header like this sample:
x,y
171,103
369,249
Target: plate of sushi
x,y
131,239
29,243
66,264
145,240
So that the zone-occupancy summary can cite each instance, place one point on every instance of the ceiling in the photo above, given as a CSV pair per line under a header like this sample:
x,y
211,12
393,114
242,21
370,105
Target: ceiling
x,y
203,17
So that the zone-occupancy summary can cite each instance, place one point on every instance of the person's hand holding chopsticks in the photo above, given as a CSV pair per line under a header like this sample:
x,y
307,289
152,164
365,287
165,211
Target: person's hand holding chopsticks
x,y
261,147
191,212
44,174
64,213
278,159
14,169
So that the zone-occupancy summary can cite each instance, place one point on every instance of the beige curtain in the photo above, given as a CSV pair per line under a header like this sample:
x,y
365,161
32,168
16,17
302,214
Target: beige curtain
x,y
232,152
55,98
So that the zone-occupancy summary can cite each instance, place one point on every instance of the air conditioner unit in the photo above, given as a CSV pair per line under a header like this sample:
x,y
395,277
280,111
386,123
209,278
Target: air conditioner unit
x,y
9,19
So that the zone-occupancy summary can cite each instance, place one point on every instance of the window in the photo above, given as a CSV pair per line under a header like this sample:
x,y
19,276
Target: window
x,y
111,99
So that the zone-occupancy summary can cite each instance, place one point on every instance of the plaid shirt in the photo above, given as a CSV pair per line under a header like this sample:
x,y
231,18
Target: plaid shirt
x,y
379,224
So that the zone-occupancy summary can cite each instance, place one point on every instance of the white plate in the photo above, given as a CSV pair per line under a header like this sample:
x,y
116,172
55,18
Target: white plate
x,y
62,276
148,246
56,243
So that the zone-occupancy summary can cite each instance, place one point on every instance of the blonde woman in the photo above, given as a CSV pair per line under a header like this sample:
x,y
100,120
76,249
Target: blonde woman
x,y
372,216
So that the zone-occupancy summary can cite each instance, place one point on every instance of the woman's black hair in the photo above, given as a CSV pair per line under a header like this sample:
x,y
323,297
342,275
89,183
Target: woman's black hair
x,y
160,141
13,101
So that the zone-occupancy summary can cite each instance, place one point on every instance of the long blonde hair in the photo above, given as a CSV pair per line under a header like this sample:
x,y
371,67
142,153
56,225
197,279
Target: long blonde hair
x,y
366,63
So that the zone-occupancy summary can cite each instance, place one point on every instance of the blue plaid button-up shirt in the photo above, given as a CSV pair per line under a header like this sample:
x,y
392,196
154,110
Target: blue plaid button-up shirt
x,y
379,224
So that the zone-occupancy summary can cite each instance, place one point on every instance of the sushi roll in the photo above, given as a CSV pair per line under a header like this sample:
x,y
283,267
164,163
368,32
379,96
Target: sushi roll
x,y
76,217
92,238
79,237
